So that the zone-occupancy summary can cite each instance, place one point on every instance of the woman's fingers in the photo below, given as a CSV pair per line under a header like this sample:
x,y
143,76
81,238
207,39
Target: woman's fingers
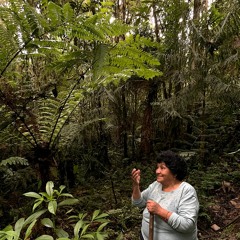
x,y
152,206
136,175
135,172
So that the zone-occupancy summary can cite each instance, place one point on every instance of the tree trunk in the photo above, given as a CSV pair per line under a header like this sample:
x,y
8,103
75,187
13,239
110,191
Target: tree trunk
x,y
146,146
103,138
124,123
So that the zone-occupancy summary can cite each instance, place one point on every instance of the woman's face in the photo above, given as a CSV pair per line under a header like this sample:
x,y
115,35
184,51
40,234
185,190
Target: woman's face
x,y
164,175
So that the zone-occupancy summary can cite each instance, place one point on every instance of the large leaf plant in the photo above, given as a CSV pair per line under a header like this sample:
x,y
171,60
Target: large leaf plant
x,y
51,57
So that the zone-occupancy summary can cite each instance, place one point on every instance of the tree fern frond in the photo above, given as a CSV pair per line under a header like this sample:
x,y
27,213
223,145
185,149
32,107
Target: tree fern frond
x,y
33,23
14,161
101,51
87,32
55,14
68,12
70,103
117,28
70,59
8,45
46,115
127,59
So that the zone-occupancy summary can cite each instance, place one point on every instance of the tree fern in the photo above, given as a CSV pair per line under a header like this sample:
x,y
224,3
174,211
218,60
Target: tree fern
x,y
54,48
125,59
14,161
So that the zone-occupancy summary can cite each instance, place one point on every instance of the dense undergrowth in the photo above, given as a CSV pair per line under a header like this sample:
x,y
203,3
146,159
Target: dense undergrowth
x,y
217,185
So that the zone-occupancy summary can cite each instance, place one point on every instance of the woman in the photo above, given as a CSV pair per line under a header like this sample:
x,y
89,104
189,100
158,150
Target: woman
x,y
173,201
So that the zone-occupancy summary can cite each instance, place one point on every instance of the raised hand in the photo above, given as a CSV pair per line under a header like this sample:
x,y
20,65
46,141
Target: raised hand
x,y
136,176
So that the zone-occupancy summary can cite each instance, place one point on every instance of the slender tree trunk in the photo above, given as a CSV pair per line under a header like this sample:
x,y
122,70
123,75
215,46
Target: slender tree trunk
x,y
134,119
124,123
146,146
156,26
103,138
199,7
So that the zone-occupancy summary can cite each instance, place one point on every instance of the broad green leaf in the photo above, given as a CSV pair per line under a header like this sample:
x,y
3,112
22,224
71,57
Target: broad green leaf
x,y
52,207
56,192
19,224
99,236
62,187
66,195
77,228
85,229
88,236
49,188
38,202
18,227
34,216
45,237
100,228
29,230
103,215
68,202
95,214
82,215
8,228
44,194
62,233
32,194
47,222
8,233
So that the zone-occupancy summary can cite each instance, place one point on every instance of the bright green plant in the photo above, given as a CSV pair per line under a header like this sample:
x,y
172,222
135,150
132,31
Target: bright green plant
x,y
46,216
51,197
82,225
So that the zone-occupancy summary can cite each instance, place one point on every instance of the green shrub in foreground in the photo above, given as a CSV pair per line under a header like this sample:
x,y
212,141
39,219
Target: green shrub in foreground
x,y
46,222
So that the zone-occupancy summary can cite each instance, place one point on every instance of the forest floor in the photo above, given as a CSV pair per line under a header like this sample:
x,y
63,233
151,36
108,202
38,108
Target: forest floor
x,y
225,218
223,225
219,219
219,215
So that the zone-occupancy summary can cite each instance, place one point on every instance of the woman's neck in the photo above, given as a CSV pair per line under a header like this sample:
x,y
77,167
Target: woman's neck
x,y
168,187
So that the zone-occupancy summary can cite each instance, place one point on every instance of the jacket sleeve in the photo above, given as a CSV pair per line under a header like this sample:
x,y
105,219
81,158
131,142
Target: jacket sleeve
x,y
141,202
185,220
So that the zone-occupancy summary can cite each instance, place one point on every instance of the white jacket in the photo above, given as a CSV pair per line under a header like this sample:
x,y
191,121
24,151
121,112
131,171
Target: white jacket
x,y
184,205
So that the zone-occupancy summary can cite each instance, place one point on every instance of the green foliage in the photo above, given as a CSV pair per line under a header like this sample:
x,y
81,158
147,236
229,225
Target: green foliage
x,y
16,174
50,202
55,57
14,161
51,197
128,58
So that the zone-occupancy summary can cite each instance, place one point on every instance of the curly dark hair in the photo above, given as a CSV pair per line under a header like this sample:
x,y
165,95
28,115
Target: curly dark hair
x,y
174,162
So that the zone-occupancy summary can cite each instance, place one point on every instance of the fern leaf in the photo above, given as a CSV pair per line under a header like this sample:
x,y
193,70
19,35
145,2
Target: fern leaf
x,y
68,12
14,161
54,14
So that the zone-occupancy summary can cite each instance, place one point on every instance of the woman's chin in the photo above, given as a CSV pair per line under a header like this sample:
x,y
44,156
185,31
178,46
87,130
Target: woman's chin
x,y
159,180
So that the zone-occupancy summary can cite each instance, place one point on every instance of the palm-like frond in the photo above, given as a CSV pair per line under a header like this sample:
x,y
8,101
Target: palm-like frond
x,y
62,45
127,58
14,161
